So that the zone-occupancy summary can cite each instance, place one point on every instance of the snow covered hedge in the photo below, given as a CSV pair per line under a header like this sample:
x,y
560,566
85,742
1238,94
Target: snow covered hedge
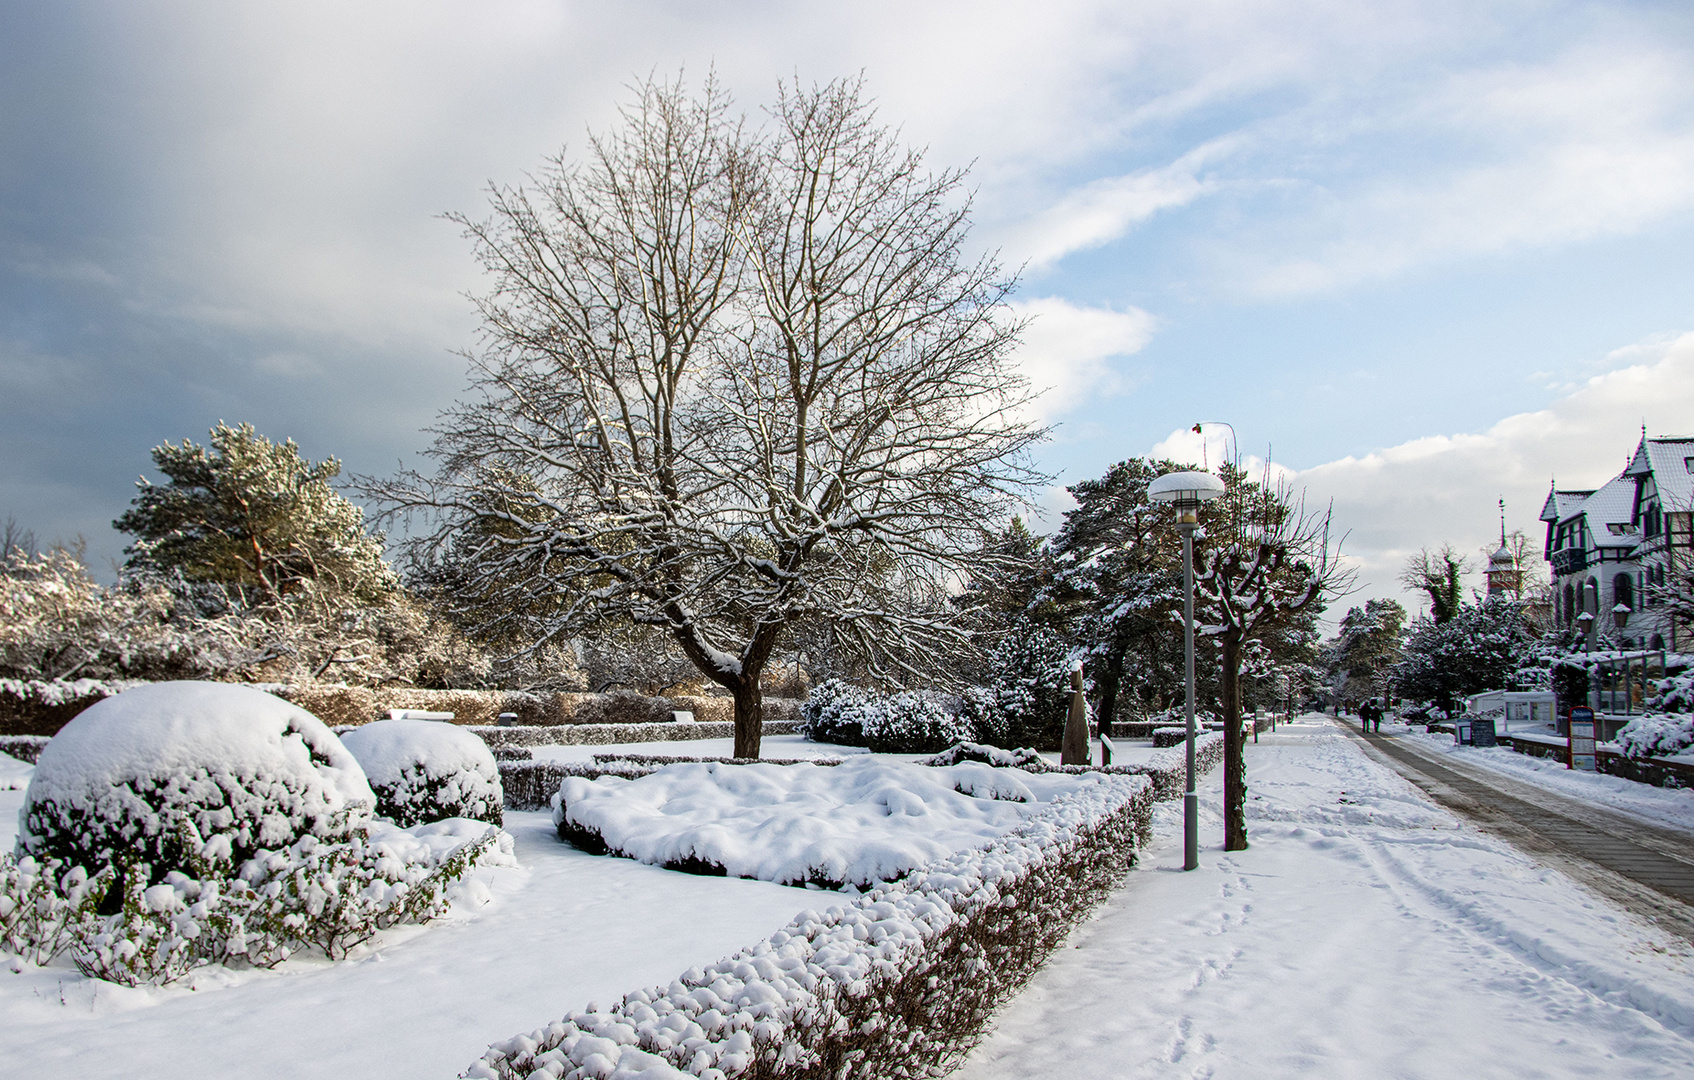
x,y
309,895
862,822
427,770
896,983
1674,694
1658,735
136,776
834,713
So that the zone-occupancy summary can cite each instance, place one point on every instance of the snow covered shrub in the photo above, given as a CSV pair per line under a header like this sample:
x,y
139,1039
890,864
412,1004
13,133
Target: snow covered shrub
x,y
987,755
1656,736
1032,688
897,983
834,713
910,723
42,903
977,712
1674,694
427,770
243,770
328,896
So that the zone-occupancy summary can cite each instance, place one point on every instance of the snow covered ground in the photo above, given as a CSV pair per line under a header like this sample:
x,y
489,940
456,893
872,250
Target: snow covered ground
x,y
1366,932
1654,805
564,930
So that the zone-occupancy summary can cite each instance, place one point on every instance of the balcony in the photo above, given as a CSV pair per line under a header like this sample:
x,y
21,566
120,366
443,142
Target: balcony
x,y
1570,561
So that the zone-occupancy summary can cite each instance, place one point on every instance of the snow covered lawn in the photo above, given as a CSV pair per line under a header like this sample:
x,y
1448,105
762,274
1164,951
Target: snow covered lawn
x,y
1366,932
866,820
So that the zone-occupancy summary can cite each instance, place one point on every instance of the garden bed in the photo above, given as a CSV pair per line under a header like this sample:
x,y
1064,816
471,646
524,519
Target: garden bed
x,y
897,983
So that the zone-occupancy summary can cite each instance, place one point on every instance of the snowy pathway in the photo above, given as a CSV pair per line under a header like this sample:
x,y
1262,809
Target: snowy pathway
x,y
1367,932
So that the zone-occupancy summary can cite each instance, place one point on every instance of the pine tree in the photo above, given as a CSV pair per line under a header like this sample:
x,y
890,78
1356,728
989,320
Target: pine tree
x,y
256,517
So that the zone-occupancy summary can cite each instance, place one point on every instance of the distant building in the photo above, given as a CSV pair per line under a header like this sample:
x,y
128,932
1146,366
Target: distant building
x,y
1611,545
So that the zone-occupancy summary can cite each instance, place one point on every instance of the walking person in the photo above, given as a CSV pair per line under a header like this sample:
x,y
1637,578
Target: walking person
x,y
1376,717
1364,718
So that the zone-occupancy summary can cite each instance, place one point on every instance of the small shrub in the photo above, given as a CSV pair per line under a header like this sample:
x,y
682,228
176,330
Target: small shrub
x,y
834,712
910,723
426,770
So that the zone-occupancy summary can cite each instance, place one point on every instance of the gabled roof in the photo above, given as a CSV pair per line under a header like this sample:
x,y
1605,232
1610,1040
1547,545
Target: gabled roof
x,y
1562,504
1613,504
1668,458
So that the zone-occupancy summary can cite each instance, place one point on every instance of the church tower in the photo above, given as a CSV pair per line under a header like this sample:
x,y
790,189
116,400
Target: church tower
x,y
1505,578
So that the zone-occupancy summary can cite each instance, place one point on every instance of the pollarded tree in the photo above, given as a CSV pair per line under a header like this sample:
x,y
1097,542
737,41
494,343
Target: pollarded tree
x,y
751,381
254,516
1269,563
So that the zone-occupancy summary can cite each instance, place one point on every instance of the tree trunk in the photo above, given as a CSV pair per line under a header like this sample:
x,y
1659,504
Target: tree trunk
x,y
1234,750
749,716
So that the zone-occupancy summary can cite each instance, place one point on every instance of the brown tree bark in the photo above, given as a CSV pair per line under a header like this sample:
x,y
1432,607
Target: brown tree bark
x,y
1234,746
749,717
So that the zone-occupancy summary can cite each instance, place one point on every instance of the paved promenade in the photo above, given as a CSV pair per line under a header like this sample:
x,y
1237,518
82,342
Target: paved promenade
x,y
1647,867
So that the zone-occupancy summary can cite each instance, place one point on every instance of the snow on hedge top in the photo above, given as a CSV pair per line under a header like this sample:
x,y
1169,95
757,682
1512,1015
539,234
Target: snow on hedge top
x,y
176,728
389,750
865,820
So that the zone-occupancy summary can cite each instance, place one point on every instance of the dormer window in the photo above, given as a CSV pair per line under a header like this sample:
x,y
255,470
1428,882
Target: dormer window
x,y
1617,528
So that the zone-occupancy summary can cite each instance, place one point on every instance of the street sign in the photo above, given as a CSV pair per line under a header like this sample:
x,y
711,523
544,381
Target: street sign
x,y
1581,747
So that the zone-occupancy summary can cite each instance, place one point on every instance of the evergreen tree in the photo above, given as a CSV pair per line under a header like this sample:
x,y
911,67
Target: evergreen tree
x,y
1480,648
254,516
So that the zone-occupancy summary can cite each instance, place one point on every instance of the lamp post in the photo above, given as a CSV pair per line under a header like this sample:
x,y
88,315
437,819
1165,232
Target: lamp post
x,y
1185,491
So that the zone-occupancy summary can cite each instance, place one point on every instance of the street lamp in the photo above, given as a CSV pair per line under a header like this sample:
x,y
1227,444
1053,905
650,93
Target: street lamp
x,y
1185,491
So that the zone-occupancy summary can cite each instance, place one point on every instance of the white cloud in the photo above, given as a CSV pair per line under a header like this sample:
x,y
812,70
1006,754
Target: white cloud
x,y
1067,351
1595,142
1443,488
1104,210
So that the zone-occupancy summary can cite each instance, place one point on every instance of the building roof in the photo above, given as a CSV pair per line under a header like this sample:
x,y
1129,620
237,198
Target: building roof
x,y
1562,504
1609,511
1671,461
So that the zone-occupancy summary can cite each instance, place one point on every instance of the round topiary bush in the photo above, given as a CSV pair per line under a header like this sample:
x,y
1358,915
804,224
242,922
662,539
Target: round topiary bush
x,y
247,770
427,770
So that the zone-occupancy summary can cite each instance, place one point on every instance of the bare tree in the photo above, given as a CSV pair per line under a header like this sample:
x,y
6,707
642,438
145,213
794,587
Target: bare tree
x,y
733,381
1271,561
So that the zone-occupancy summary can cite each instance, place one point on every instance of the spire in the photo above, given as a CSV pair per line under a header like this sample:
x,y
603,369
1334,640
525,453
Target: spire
x,y
1502,521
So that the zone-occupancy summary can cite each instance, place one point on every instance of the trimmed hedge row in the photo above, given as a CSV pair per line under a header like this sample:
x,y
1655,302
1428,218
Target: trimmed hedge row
x,y
23,747
531,785
607,734
42,708
897,983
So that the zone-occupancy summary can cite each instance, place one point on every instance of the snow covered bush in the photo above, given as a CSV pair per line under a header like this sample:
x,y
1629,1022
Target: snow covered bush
x,y
42,904
910,723
897,983
1656,735
834,713
228,766
312,894
427,770
985,723
862,821
1674,694
1031,685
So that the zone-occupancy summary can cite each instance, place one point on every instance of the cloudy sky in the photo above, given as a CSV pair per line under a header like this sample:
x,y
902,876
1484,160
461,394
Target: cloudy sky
x,y
1423,254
